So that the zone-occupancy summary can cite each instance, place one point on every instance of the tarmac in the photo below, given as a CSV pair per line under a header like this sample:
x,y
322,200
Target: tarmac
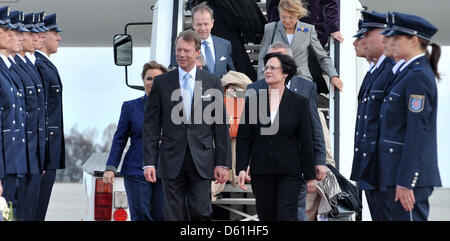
x,y
66,203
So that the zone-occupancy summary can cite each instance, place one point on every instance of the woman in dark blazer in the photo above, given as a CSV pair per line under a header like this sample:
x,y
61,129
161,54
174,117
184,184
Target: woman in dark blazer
x,y
279,144
145,199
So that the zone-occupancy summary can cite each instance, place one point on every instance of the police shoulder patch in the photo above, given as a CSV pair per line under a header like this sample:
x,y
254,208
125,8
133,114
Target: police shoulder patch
x,y
416,103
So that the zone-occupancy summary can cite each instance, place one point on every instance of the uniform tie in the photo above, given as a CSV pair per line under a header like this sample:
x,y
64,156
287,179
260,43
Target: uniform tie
x,y
209,58
187,94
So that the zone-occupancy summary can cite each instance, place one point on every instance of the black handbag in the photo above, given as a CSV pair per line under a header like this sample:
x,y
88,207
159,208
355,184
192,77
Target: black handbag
x,y
349,198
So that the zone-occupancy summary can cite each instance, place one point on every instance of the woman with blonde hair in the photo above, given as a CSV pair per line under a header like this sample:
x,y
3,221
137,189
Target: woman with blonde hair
x,y
299,36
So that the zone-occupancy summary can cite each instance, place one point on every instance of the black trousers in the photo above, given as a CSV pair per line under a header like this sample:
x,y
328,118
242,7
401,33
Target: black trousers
x,y
188,196
316,73
47,181
277,196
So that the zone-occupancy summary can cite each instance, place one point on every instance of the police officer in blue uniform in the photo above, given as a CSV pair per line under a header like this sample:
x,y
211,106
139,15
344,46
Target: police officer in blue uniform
x,y
373,23
406,170
36,30
31,183
55,147
2,160
13,116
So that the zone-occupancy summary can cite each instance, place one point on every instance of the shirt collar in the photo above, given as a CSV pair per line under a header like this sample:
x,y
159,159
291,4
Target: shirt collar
x,y
23,58
398,65
45,55
182,73
209,40
410,61
12,59
8,64
31,57
380,61
371,65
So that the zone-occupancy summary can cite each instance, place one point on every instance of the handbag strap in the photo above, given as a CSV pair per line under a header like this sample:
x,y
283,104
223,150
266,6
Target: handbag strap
x,y
273,32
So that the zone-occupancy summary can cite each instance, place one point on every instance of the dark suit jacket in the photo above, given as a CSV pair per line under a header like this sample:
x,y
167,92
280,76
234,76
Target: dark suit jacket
x,y
129,126
307,89
13,133
288,151
324,14
209,143
32,117
34,74
223,59
53,96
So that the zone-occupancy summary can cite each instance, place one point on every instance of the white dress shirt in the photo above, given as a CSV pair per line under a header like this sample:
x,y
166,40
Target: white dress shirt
x,y
31,57
211,47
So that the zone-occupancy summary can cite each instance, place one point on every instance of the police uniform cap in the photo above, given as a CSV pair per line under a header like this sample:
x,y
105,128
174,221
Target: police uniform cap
x,y
389,24
360,32
4,18
40,21
407,24
51,23
28,21
16,18
373,20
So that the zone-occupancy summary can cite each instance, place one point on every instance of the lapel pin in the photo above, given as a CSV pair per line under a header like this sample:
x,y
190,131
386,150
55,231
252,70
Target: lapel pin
x,y
303,29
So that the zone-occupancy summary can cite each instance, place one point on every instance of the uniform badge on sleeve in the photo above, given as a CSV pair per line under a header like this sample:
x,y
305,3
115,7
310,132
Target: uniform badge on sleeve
x,y
416,103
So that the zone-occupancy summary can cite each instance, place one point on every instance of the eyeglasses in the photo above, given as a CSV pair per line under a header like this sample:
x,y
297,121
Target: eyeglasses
x,y
271,68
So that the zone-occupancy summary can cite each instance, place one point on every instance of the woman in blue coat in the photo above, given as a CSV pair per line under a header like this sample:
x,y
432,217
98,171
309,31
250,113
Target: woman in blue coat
x,y
406,170
145,199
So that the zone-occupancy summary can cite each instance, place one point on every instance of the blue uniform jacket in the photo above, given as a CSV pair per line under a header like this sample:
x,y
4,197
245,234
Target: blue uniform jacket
x,y
13,124
31,114
55,146
34,74
407,148
366,132
358,154
129,126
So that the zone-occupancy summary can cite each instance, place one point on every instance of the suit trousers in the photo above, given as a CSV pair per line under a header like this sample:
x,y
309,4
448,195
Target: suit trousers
x,y
188,196
10,191
316,73
28,194
277,196
302,202
145,199
47,181
389,210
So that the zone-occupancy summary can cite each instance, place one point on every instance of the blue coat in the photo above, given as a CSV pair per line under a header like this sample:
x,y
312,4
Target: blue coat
x,y
31,114
129,127
32,71
223,59
371,95
55,147
407,148
13,124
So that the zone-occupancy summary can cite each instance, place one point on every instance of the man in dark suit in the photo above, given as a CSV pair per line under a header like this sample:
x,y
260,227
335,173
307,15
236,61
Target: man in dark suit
x,y
217,51
195,148
307,89
55,146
